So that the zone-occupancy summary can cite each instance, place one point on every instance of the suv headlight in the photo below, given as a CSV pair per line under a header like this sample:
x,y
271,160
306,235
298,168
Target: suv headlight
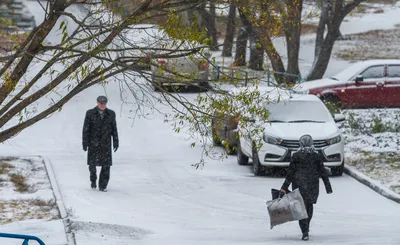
x,y
334,140
272,140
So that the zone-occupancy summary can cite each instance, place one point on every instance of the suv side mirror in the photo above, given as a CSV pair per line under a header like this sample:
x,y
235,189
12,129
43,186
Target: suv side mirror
x,y
339,118
359,78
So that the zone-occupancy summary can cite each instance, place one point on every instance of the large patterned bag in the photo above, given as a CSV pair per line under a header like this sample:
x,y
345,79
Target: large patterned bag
x,y
288,208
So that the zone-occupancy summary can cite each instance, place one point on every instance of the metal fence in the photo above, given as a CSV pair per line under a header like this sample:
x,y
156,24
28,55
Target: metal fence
x,y
26,238
240,75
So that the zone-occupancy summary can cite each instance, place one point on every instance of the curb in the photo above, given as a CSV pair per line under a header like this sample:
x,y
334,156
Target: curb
x,y
60,203
373,184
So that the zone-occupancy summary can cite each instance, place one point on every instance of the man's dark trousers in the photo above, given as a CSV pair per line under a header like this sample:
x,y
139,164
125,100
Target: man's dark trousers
x,y
103,178
305,223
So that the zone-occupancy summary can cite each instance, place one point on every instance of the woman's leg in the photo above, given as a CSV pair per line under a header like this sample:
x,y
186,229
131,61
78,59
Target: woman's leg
x,y
305,223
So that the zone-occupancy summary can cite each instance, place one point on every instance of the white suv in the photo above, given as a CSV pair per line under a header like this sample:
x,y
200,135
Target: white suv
x,y
289,119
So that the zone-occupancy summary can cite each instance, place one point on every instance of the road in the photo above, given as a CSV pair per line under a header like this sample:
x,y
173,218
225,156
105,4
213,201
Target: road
x,y
156,197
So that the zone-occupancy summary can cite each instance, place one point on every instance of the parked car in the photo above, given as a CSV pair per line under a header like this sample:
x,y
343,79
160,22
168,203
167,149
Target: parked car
x,y
365,84
144,42
289,119
224,131
182,71
224,126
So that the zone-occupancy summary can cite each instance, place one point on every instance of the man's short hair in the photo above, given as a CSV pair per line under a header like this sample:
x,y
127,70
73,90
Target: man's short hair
x,y
102,99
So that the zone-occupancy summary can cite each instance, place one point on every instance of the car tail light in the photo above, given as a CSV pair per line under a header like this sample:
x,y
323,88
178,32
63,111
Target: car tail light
x,y
236,120
203,65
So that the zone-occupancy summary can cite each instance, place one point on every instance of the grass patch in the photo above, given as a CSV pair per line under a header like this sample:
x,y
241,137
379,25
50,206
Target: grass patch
x,y
396,188
27,209
360,9
22,205
374,44
388,158
353,122
382,1
306,28
379,11
19,182
378,126
5,167
394,160
395,166
43,205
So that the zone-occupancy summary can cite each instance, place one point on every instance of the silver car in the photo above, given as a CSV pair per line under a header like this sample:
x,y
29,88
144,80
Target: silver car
x,y
182,71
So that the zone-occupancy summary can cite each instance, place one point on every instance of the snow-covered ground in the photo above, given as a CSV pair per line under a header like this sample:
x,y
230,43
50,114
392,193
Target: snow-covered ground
x,y
27,204
352,24
155,195
373,144
50,232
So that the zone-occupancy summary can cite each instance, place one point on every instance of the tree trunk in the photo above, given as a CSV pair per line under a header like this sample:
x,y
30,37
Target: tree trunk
x,y
341,37
323,21
213,26
292,34
323,49
230,32
265,39
275,58
241,47
321,62
208,21
256,48
256,54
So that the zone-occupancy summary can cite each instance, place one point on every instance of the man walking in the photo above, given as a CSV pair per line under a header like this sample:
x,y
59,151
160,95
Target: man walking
x,y
305,169
98,128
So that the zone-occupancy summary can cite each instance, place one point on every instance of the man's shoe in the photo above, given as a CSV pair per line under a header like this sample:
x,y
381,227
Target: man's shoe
x,y
93,185
103,190
305,237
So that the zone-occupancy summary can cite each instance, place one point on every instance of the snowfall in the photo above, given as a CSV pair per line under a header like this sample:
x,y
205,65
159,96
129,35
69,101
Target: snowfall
x,y
155,195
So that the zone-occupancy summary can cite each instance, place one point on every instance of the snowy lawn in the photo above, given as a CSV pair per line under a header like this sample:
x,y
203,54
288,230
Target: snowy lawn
x,y
375,44
373,144
25,191
27,202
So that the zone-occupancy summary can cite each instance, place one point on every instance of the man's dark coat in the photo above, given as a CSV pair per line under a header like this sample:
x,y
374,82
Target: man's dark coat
x,y
96,136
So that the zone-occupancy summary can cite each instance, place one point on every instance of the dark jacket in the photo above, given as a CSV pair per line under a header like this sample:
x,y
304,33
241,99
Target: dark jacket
x,y
96,135
304,172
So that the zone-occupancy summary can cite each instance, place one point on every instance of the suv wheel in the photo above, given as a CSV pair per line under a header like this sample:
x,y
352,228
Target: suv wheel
x,y
204,85
242,159
215,138
228,146
257,168
338,171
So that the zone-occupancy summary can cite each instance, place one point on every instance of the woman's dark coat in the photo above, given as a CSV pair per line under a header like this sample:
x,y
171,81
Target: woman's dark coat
x,y
304,172
96,136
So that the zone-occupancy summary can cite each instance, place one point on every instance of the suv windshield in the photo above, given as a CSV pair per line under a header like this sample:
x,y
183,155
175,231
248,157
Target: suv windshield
x,y
298,112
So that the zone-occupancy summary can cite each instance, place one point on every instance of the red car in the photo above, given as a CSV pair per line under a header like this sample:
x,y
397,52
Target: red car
x,y
365,84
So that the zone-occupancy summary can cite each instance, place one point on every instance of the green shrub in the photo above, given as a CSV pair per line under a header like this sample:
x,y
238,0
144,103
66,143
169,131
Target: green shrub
x,y
378,126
